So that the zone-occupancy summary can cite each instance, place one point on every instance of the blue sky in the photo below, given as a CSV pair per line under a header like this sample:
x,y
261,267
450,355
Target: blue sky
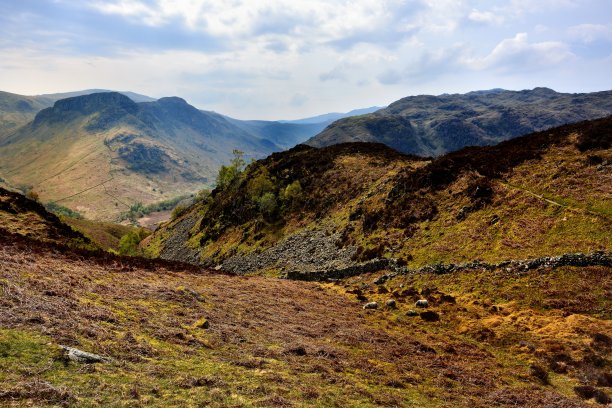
x,y
284,59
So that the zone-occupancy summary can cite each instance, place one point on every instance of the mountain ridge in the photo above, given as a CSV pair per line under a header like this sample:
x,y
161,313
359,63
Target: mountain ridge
x,y
361,201
430,125
121,149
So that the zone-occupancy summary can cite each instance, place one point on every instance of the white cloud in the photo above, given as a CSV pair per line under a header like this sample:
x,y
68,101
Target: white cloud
x,y
518,54
294,58
520,7
315,20
589,33
485,17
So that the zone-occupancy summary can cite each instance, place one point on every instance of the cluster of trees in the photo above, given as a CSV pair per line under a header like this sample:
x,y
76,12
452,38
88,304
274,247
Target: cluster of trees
x,y
139,210
129,243
263,190
62,211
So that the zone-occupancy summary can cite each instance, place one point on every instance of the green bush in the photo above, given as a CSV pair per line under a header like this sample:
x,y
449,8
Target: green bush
x,y
268,205
178,211
139,210
228,174
62,211
128,245
293,194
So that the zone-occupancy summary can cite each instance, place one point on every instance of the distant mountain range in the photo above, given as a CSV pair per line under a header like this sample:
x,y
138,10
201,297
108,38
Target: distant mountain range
x,y
101,152
429,125
17,110
331,117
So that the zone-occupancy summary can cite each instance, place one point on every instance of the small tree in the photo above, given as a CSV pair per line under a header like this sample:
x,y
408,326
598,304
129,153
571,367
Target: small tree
x,y
32,195
260,185
227,174
293,194
128,245
268,205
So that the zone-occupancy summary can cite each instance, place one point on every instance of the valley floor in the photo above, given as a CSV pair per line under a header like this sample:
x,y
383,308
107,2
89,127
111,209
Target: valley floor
x,y
180,336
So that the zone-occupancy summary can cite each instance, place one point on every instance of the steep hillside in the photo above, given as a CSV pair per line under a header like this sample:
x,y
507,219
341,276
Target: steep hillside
x,y
169,335
18,110
22,216
314,209
429,125
101,153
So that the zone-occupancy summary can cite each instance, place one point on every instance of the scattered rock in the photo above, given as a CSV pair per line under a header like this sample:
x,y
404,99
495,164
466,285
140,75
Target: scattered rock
x,y
540,373
448,299
430,316
202,324
382,279
391,303
412,313
79,356
382,289
585,391
371,305
422,303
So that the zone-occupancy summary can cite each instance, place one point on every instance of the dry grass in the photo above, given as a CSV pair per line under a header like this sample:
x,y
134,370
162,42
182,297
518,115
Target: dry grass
x,y
268,343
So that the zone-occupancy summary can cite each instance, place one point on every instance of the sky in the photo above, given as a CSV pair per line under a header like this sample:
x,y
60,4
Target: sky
x,y
288,59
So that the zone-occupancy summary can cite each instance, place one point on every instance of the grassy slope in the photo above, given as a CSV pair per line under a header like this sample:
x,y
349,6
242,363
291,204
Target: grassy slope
x,y
106,234
17,110
281,343
24,217
62,166
99,154
546,197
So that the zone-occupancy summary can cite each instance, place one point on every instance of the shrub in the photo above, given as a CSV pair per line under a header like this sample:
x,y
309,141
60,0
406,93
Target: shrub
x,y
268,205
60,210
128,245
293,194
32,195
228,174
202,195
178,211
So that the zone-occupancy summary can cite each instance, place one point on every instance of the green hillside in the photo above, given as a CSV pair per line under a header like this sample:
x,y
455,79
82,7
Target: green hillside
x,y
315,209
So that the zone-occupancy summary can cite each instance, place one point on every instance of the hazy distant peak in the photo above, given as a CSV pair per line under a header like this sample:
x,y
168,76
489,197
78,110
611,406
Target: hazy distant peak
x,y
88,104
173,100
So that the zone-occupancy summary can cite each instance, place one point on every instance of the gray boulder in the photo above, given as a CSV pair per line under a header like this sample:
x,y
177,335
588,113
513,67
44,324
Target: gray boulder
x,y
422,303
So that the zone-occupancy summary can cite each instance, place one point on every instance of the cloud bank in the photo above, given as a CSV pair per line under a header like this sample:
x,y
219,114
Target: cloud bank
x,y
294,58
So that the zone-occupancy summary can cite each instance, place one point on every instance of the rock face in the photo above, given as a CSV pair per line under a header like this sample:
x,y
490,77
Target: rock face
x,y
309,251
177,248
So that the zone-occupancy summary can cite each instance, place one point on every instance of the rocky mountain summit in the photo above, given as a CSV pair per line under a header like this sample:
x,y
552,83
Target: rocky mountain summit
x,y
430,125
